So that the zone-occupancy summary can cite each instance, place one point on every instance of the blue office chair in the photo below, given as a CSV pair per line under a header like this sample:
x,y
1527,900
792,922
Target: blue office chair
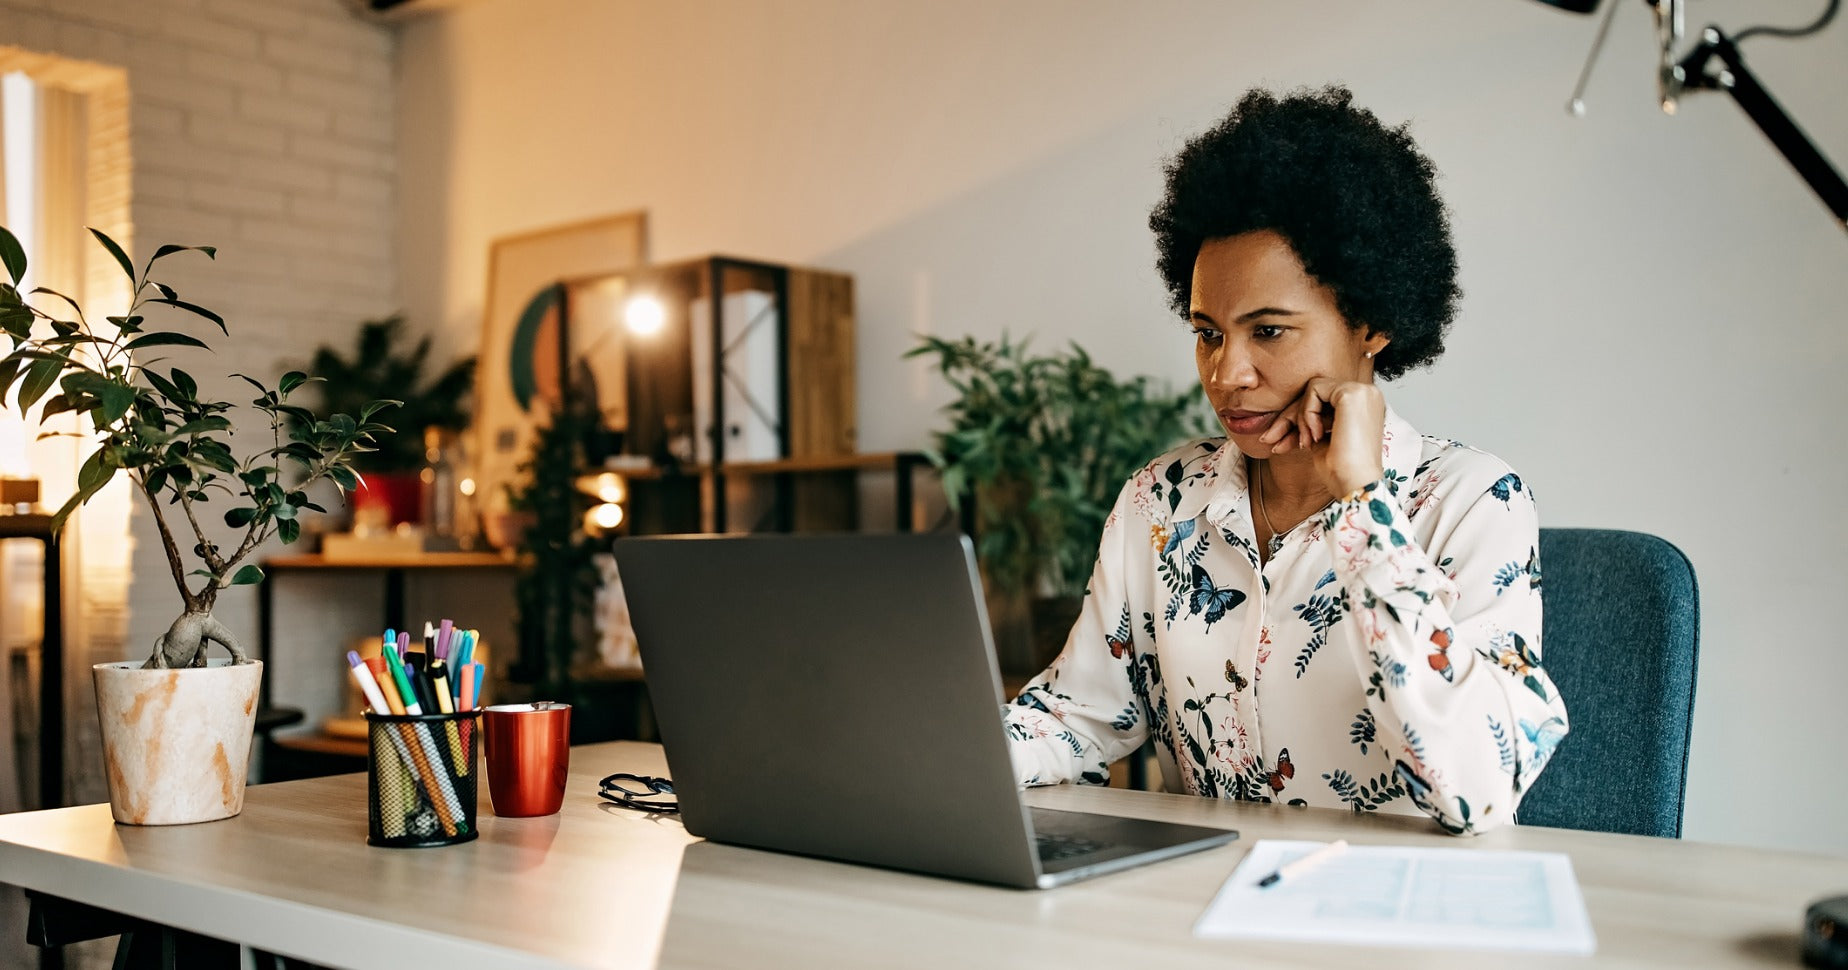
x,y
1620,638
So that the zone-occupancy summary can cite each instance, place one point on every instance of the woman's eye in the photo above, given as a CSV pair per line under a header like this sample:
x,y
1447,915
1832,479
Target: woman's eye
x,y
1208,334
1266,332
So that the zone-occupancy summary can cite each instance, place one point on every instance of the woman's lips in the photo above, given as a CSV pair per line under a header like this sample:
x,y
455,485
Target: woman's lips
x,y
1246,422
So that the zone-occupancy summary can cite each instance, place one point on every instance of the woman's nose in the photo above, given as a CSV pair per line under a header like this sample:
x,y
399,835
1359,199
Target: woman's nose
x,y
1232,367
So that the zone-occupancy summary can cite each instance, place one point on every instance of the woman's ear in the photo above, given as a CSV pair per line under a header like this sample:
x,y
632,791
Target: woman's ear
x,y
1376,341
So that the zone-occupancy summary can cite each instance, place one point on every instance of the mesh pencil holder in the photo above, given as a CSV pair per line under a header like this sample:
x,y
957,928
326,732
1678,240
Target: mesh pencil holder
x,y
421,777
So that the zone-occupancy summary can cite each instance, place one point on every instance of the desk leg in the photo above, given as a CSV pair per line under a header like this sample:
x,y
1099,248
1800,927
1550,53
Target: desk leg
x,y
51,682
165,948
266,632
55,922
903,494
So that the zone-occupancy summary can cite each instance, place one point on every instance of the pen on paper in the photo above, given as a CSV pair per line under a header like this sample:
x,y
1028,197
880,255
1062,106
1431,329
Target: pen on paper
x,y
1295,868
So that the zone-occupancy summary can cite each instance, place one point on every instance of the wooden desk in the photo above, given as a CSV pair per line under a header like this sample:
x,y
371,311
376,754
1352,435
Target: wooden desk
x,y
603,887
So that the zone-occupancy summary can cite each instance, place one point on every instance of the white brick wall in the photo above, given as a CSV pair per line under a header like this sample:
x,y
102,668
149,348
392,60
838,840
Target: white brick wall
x,y
266,128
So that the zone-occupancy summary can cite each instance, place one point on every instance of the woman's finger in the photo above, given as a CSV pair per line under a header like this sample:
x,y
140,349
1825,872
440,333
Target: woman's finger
x,y
1312,400
1280,426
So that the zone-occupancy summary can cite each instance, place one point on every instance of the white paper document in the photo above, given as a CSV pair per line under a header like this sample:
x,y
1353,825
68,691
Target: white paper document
x,y
1390,895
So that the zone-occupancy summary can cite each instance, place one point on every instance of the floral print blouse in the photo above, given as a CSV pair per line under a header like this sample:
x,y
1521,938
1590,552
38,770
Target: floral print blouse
x,y
1387,658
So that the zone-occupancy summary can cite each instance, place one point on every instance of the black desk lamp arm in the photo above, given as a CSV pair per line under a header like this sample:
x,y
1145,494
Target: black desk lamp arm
x,y
1735,78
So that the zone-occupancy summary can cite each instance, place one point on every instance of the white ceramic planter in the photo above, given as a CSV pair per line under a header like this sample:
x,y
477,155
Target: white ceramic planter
x,y
176,743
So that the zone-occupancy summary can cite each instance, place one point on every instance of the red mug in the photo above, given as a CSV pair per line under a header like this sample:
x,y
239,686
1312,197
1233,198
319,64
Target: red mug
x,y
528,751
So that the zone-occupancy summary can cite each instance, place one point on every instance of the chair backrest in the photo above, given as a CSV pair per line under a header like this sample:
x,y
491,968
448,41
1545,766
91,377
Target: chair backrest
x,y
1620,637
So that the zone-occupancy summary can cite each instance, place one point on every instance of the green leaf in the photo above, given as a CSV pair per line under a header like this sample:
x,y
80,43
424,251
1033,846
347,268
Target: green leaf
x,y
48,291
96,472
247,576
291,381
116,402
289,530
194,308
16,321
239,518
33,353
215,455
116,251
300,414
13,255
169,250
128,324
189,389
58,404
253,382
166,291
9,372
209,423
163,339
39,378
57,521
374,407
163,385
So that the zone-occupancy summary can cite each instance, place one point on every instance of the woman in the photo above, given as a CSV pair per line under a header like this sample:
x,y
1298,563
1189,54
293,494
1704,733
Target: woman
x,y
1323,607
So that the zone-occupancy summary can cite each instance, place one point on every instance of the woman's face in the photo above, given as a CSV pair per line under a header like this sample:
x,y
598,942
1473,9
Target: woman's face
x,y
1263,328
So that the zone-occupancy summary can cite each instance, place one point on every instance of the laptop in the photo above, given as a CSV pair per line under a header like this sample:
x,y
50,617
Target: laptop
x,y
838,697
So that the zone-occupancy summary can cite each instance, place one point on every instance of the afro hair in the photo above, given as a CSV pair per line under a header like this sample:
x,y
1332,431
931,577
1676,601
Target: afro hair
x,y
1355,199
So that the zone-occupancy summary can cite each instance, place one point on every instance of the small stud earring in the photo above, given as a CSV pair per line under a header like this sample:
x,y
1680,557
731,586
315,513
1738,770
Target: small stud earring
x,y
1369,355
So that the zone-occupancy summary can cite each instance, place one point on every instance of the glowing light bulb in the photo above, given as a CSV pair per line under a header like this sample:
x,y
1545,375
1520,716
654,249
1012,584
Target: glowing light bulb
x,y
645,316
609,488
605,517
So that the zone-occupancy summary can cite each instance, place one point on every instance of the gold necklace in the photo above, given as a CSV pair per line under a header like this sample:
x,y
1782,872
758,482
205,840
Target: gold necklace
x,y
1276,539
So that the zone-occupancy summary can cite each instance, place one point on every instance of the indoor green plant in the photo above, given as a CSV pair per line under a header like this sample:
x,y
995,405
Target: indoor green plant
x,y
383,366
1042,444
557,577
176,729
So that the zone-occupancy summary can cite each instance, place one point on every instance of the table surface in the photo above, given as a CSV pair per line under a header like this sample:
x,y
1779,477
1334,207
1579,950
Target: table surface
x,y
598,886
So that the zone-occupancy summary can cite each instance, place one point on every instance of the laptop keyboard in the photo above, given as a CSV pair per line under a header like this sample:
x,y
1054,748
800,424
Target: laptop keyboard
x,y
1055,847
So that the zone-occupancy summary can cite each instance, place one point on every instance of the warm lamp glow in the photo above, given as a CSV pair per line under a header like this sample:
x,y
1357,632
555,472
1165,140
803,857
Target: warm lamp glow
x,y
605,517
610,488
645,316
466,486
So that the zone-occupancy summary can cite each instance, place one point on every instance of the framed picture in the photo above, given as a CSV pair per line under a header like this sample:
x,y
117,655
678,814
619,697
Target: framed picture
x,y
524,351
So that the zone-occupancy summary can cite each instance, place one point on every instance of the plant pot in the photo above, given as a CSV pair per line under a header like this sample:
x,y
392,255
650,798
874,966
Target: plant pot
x,y
176,743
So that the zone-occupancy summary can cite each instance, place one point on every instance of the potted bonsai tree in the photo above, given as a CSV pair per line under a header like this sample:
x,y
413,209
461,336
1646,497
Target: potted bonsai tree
x,y
1041,444
177,728
432,413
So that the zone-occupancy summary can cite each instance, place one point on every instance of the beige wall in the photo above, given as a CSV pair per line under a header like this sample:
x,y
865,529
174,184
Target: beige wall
x,y
1652,323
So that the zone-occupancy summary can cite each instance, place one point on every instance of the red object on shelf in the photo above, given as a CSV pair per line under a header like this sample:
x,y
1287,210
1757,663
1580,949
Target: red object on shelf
x,y
400,494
